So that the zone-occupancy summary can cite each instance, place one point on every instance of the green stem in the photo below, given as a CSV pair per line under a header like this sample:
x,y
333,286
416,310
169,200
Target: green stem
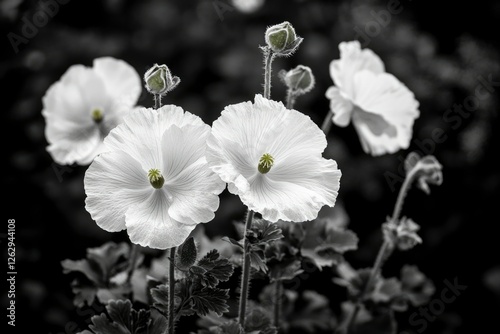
x,y
384,248
171,292
278,293
134,254
327,123
268,61
245,277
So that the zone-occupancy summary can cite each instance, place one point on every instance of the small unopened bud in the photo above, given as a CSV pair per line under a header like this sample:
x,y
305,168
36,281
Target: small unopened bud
x,y
281,39
299,80
427,170
159,80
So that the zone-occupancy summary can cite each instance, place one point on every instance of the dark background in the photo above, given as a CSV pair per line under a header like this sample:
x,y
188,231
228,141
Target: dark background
x,y
441,52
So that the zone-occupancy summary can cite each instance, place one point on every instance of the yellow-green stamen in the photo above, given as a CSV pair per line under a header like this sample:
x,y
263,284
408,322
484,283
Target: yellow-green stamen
x,y
265,163
155,178
97,115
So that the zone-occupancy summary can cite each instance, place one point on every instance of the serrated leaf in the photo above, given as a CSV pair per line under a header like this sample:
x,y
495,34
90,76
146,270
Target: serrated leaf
x,y
140,321
186,254
158,323
210,299
104,295
102,325
217,269
264,232
119,312
257,262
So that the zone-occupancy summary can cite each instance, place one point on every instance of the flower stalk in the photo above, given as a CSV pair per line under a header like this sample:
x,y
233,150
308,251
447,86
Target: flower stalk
x,y
171,292
268,62
385,248
245,278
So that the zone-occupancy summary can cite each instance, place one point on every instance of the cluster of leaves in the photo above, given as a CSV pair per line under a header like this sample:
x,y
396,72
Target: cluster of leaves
x,y
257,321
102,274
121,318
381,297
197,291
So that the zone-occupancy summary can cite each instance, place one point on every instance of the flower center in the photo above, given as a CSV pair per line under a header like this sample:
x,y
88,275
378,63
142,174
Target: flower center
x,y
97,115
265,163
155,178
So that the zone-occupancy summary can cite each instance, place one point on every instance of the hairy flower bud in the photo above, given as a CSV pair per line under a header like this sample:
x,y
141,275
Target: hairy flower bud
x,y
299,80
281,39
159,80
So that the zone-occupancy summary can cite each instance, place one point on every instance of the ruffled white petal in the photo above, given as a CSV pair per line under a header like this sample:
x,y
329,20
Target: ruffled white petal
x,y
149,224
294,190
386,113
121,80
192,185
340,106
353,59
114,182
141,133
246,131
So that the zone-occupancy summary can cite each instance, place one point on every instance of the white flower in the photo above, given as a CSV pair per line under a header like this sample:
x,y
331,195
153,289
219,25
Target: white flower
x,y
84,105
152,178
272,158
381,108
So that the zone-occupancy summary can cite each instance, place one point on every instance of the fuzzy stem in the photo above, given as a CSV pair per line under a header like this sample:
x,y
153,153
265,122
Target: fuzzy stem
x,y
134,253
157,99
384,248
278,295
245,276
171,292
291,97
268,61
327,123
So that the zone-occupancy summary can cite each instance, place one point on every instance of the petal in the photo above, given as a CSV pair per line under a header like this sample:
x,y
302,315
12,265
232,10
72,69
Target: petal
x,y
114,182
340,106
71,143
193,186
75,96
141,133
121,80
149,224
246,131
386,113
352,60
295,191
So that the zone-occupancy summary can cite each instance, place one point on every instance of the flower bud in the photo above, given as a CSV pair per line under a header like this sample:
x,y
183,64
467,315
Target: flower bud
x,y
159,80
403,234
281,39
427,170
299,80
